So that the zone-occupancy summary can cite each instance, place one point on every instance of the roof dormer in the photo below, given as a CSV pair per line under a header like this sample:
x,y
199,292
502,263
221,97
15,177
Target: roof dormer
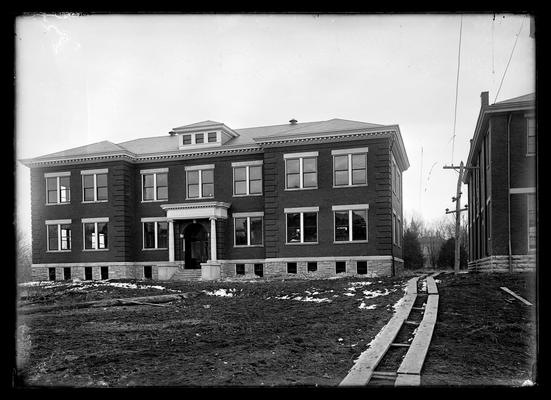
x,y
203,134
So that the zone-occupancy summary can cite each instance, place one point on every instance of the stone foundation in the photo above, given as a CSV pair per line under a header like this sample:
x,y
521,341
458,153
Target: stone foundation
x,y
271,269
501,263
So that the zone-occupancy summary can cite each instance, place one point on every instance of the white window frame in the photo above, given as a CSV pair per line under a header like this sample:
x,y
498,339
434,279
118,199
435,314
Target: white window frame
x,y
57,175
156,221
301,211
248,216
95,172
58,223
247,165
530,120
94,221
301,157
199,168
350,209
349,153
153,172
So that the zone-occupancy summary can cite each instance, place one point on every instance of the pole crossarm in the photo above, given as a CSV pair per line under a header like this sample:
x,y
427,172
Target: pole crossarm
x,y
457,167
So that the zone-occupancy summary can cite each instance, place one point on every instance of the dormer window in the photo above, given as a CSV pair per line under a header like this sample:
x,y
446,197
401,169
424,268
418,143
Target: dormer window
x,y
202,135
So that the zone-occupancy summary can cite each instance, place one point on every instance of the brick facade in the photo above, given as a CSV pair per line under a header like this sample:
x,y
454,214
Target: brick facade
x,y
125,256
499,189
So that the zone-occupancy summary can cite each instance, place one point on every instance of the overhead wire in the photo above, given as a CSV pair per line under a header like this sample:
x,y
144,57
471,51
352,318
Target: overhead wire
x,y
457,85
510,57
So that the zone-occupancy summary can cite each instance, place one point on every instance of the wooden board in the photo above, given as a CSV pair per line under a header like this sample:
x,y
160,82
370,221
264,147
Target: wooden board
x,y
415,357
363,369
407,380
431,286
516,296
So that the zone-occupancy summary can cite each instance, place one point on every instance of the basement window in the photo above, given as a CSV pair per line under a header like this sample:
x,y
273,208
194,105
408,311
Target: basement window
x,y
67,273
239,269
361,267
259,270
147,272
312,266
104,273
51,274
291,267
340,266
87,273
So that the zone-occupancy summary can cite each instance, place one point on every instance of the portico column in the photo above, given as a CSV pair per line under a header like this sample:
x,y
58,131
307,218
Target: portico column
x,y
213,238
171,240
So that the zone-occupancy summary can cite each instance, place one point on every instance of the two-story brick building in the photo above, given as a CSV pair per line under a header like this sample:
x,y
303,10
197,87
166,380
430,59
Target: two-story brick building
x,y
502,186
299,199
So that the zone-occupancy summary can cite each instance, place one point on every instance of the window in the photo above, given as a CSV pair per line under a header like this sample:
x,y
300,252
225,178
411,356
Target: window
x,y
259,270
531,139
394,229
301,170
95,233
248,229
351,223
361,267
94,185
302,225
186,139
200,181
247,178
67,273
212,137
104,273
291,267
51,274
312,266
58,187
532,221
350,167
147,272
199,138
240,269
87,273
59,235
154,185
340,266
155,234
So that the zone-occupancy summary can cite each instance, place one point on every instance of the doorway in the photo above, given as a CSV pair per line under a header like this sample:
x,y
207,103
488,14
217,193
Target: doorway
x,y
193,245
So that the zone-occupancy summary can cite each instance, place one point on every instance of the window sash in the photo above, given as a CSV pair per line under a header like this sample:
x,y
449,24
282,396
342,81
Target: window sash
x,y
350,169
202,184
350,225
58,189
305,169
95,236
248,231
94,187
299,231
155,234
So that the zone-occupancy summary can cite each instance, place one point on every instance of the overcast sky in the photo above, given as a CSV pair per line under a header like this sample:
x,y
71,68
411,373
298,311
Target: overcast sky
x,y
84,79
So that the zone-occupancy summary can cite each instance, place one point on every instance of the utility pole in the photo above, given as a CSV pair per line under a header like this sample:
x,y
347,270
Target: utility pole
x,y
458,210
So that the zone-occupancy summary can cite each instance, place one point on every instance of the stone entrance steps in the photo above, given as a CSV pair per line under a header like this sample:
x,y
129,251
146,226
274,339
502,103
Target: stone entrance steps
x,y
186,275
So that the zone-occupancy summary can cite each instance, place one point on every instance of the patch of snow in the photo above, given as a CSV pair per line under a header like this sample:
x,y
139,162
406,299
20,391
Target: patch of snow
x,y
221,292
363,283
340,339
349,294
376,293
527,382
437,281
366,307
424,286
323,300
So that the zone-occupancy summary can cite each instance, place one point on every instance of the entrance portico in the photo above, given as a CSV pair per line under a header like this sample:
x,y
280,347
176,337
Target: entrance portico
x,y
212,211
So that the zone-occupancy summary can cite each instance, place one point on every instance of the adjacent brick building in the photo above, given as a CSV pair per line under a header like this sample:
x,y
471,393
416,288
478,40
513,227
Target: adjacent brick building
x,y
301,199
503,186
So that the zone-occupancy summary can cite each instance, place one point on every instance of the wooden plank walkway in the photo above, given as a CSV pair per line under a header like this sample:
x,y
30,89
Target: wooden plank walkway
x,y
363,369
409,372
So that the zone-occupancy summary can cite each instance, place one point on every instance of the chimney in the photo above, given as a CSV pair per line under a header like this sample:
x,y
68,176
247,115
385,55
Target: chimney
x,y
293,121
484,99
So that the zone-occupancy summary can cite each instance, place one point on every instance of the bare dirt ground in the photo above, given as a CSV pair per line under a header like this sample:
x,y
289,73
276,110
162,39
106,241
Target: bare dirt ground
x,y
273,333
483,336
